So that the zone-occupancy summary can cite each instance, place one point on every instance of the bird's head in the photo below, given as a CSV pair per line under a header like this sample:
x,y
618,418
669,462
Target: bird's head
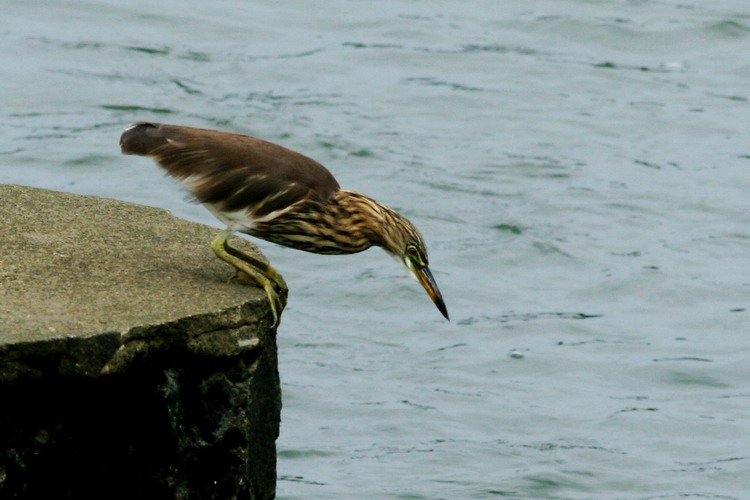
x,y
402,240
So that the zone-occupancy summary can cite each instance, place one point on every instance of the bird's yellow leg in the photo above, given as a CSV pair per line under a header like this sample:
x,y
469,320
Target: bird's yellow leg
x,y
253,274
265,269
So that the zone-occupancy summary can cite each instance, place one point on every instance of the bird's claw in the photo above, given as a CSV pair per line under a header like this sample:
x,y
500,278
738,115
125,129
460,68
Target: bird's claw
x,y
250,270
274,300
240,277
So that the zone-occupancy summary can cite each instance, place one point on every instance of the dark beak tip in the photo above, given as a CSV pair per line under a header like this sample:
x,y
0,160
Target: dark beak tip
x,y
441,307
428,282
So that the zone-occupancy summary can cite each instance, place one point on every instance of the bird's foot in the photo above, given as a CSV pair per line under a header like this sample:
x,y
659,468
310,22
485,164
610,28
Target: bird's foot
x,y
240,277
243,277
251,271
246,278
274,301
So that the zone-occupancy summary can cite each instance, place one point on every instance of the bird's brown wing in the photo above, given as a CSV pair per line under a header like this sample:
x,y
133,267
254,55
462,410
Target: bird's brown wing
x,y
231,171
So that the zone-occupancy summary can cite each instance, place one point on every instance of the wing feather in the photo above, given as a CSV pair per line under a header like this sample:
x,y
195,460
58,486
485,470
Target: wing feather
x,y
231,171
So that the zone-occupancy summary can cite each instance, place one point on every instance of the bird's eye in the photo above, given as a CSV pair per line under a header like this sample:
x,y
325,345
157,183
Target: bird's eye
x,y
414,255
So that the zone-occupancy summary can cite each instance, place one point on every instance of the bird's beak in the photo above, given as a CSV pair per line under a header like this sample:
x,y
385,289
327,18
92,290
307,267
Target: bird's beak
x,y
424,276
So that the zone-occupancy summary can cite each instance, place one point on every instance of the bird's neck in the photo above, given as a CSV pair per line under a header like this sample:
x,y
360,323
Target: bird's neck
x,y
366,218
349,222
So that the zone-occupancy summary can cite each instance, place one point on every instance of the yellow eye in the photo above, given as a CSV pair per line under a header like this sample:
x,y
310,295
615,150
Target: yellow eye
x,y
413,254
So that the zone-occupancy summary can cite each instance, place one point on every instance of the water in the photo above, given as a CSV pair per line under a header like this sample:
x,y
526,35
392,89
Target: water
x,y
579,170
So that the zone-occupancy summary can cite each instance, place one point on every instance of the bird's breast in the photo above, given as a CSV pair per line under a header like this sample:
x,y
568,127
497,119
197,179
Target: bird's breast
x,y
310,227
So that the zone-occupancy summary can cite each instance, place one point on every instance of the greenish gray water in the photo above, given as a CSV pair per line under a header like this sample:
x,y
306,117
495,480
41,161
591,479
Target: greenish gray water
x,y
579,170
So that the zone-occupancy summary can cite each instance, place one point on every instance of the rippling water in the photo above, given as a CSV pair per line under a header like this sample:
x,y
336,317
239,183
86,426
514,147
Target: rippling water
x,y
578,168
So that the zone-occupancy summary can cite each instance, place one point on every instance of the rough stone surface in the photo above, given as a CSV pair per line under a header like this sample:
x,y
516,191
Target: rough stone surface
x,y
128,365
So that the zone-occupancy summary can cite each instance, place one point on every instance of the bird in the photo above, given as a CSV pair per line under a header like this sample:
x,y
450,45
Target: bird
x,y
270,192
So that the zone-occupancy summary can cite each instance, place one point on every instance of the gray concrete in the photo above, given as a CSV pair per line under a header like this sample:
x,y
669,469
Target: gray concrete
x,y
125,357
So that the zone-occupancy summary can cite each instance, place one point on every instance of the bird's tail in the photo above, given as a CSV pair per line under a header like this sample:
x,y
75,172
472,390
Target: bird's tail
x,y
142,138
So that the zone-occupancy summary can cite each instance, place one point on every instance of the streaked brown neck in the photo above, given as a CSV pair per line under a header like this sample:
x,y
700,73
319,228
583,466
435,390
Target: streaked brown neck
x,y
348,223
